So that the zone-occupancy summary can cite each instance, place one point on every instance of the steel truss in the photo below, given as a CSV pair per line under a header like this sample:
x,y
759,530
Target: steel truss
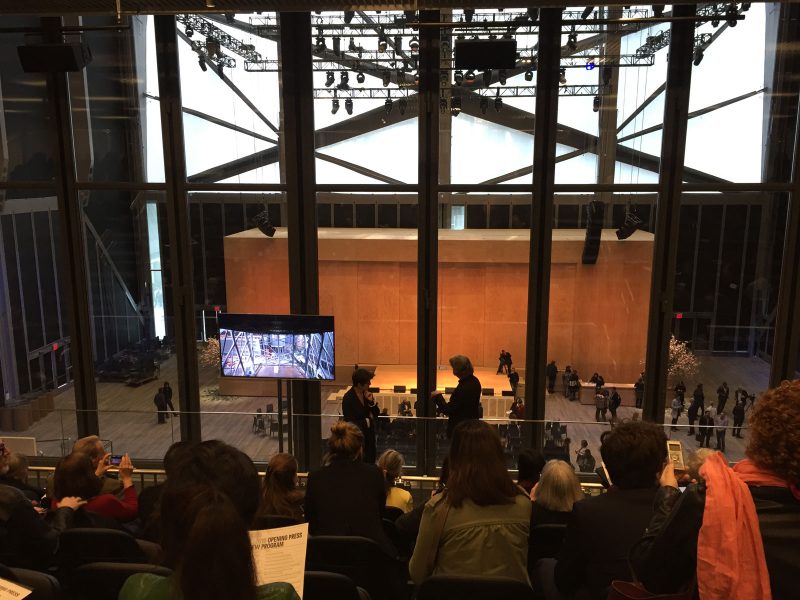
x,y
500,91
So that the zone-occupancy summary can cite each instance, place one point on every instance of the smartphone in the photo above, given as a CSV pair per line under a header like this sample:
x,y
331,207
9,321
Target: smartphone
x,y
115,460
675,451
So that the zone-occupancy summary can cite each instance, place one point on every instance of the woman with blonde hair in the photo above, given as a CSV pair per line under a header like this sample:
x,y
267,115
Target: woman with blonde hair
x,y
556,493
391,463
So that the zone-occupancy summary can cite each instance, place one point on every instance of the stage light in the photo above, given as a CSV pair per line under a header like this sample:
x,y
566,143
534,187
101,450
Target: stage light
x,y
498,102
320,45
337,46
529,75
329,79
468,14
502,77
470,77
382,43
596,104
213,48
360,77
348,16
572,40
587,12
731,15
262,221
458,77
387,106
202,63
658,10
398,44
455,106
745,6
335,106
352,45
562,78
533,14
387,78
698,56
189,32
590,65
484,104
402,104
487,77
632,223
348,106
344,78
220,69
414,44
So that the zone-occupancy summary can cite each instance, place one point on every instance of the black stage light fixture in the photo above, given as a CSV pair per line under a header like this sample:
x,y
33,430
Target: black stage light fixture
x,y
658,10
468,14
562,77
329,78
458,77
469,78
189,31
529,75
348,16
337,46
387,106
213,48
498,102
220,68
731,15
202,62
352,45
596,104
335,106
594,229
262,221
502,77
383,44
414,44
455,106
348,106
698,56
745,6
360,77
587,12
344,78
487,77
387,78
632,223
398,44
402,104
572,40
533,14
484,104
320,45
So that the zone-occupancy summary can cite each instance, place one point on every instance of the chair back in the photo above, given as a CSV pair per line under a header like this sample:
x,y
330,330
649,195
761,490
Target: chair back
x,y
44,586
272,522
392,513
81,545
545,541
320,585
104,580
452,587
359,558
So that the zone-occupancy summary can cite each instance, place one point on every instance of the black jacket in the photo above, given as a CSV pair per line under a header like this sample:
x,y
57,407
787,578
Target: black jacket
x,y
347,498
599,536
665,560
465,403
357,413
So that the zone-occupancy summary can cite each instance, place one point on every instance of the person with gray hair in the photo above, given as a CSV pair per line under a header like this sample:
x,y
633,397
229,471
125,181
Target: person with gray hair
x,y
465,401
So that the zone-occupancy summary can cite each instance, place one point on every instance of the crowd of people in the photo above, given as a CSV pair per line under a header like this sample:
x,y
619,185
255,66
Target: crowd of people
x,y
712,532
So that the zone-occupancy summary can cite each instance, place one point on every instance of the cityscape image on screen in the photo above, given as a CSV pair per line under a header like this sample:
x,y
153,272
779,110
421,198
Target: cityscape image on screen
x,y
277,346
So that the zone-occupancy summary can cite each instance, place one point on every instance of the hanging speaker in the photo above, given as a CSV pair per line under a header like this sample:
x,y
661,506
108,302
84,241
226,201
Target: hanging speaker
x,y
594,228
58,58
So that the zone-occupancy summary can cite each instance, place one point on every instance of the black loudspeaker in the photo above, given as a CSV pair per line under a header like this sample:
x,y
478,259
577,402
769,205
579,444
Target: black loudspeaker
x,y
414,391
486,54
374,390
399,389
487,392
58,58
594,227
448,390
508,392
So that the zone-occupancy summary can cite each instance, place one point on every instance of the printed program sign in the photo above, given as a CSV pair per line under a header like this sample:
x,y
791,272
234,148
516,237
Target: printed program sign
x,y
9,590
280,555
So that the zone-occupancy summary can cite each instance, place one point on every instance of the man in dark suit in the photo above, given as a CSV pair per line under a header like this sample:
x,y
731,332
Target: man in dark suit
x,y
723,392
603,528
465,401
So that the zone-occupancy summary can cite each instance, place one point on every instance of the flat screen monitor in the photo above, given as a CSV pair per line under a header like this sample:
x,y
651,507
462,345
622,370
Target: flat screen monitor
x,y
276,346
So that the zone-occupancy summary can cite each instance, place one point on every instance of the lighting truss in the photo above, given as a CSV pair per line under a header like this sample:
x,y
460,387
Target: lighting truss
x,y
206,28
654,43
380,93
201,48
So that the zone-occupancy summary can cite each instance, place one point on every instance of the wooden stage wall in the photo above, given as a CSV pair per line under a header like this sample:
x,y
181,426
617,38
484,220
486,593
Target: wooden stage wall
x,y
368,282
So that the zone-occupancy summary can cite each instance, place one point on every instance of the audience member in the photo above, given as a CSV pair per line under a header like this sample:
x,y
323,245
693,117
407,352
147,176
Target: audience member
x,y
14,473
586,462
206,544
723,392
603,528
555,494
150,496
737,529
75,476
550,371
638,390
481,522
721,424
530,463
696,408
465,401
705,429
677,409
614,403
92,446
407,525
359,408
280,495
738,419
347,496
391,463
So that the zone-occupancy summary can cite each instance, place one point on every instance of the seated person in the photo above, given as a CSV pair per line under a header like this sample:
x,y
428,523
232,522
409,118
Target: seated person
x,y
604,528
391,463
530,463
407,525
14,473
480,524
75,476
555,495
280,495
206,544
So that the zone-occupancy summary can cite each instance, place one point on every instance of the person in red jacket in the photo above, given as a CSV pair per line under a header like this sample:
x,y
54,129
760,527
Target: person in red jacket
x,y
75,476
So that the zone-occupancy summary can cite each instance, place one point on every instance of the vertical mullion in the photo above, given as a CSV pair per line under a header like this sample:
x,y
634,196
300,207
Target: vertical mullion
x,y
673,145
542,209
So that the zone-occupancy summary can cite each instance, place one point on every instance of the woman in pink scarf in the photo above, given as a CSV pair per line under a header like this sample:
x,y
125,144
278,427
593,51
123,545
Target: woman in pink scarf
x,y
736,534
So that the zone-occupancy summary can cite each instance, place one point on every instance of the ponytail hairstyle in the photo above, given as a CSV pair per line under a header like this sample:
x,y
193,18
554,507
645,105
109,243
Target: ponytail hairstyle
x,y
391,463
206,543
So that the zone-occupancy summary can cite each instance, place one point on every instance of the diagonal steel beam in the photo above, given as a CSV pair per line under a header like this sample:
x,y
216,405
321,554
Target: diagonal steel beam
x,y
529,169
358,169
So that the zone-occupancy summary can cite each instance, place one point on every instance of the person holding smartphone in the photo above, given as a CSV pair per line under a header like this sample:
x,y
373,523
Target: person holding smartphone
x,y
359,408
